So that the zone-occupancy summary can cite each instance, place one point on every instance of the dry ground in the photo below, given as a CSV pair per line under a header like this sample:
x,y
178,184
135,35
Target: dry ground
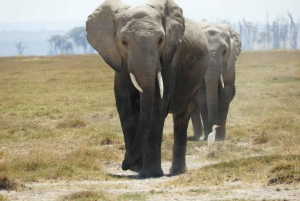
x,y
60,136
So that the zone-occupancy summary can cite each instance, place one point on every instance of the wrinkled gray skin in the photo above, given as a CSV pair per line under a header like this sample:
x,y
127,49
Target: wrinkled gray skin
x,y
143,41
224,46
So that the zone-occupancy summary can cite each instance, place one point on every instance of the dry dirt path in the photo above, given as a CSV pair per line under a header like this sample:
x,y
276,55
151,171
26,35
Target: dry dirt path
x,y
156,189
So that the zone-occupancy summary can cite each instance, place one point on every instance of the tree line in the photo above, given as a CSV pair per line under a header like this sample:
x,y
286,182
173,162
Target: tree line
x,y
282,33
64,44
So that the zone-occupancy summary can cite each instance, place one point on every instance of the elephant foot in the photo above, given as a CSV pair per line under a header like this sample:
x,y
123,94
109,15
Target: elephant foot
x,y
197,136
135,167
177,170
151,170
130,164
220,137
178,167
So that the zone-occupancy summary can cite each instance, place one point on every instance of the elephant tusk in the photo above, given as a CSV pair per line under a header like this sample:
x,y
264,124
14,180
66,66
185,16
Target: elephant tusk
x,y
222,81
160,84
135,83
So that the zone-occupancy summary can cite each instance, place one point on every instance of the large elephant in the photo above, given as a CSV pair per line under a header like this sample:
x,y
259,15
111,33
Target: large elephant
x,y
160,59
218,89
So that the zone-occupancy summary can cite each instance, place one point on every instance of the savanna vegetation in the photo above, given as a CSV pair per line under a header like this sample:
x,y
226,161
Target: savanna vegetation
x,y
58,121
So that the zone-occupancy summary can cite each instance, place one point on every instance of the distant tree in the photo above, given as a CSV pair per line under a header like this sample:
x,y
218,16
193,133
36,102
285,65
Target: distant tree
x,y
241,33
68,47
262,39
78,35
283,31
249,34
20,47
58,42
225,21
268,31
276,34
293,32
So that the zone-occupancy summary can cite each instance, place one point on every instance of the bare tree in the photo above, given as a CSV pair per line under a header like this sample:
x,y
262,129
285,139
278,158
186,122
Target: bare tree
x,y
293,32
283,30
20,47
249,34
276,34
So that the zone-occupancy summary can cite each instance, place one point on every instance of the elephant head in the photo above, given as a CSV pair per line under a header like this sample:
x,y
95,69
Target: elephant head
x,y
138,42
225,46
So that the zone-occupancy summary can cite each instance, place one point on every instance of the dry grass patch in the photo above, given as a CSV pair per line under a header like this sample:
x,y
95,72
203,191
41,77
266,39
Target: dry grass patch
x,y
261,169
3,198
73,160
92,196
59,121
86,196
47,129
72,123
286,172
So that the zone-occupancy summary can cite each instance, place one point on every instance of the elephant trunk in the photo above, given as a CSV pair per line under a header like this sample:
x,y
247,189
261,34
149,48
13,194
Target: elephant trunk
x,y
211,83
143,78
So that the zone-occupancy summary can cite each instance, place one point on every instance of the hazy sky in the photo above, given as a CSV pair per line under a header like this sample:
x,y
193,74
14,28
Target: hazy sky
x,y
78,10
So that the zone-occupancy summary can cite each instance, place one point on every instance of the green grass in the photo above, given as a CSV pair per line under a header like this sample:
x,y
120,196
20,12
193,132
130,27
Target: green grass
x,y
59,121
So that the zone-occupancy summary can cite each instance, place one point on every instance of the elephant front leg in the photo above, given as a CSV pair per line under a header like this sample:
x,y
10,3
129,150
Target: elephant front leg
x,y
129,122
152,151
225,97
129,112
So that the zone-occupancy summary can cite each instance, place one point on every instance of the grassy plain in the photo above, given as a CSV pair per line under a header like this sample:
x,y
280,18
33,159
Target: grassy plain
x,y
58,121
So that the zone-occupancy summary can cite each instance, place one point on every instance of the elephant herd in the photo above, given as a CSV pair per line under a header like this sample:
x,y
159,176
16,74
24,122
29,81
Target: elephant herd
x,y
164,63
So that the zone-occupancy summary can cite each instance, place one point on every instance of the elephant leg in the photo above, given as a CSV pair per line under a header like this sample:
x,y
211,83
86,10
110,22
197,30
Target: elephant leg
x,y
152,151
198,127
202,102
181,121
129,113
196,121
225,97
204,117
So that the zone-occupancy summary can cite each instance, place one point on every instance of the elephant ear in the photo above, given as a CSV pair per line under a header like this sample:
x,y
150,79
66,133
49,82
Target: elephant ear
x,y
235,48
173,25
100,28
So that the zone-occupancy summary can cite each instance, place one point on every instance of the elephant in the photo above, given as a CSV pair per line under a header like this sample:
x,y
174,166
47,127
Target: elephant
x,y
160,59
218,89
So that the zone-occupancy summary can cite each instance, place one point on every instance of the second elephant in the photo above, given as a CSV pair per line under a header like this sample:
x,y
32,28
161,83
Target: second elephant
x,y
215,94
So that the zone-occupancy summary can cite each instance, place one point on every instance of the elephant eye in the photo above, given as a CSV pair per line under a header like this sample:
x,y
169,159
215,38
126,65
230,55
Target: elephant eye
x,y
124,43
160,40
